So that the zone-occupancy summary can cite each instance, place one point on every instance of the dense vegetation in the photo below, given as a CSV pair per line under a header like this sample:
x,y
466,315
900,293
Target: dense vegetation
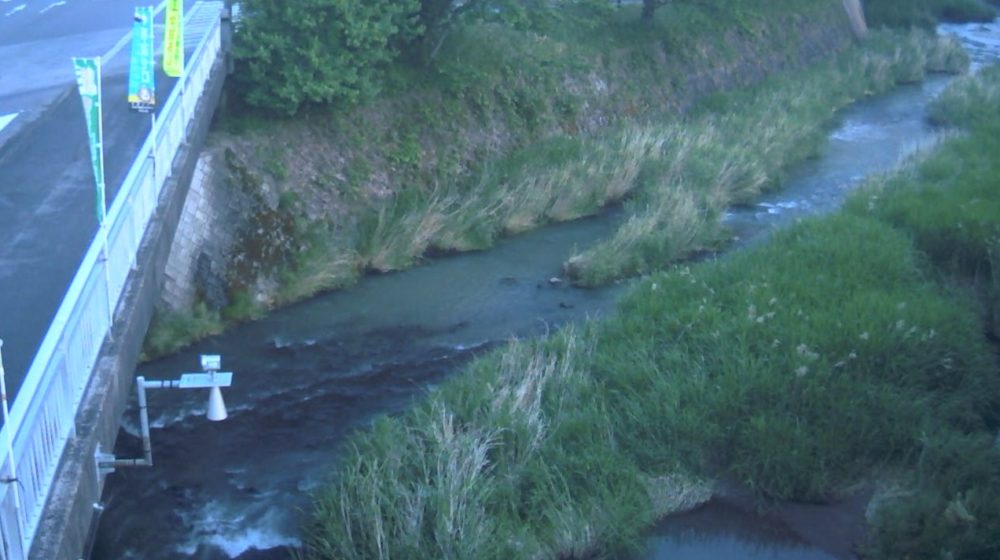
x,y
849,348
503,104
337,52
329,51
461,122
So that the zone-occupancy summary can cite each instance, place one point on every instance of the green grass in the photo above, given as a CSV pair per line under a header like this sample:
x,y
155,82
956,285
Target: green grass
x,y
452,131
797,369
766,367
963,104
171,331
842,351
680,173
950,201
739,145
510,128
947,504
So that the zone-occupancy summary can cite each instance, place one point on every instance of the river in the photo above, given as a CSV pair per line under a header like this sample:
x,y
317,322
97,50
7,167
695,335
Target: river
x,y
307,375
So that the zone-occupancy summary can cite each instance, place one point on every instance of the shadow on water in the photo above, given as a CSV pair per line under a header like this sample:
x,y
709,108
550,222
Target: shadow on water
x,y
308,375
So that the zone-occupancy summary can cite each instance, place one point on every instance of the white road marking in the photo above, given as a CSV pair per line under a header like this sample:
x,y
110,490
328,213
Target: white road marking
x,y
195,24
6,119
128,36
16,9
52,5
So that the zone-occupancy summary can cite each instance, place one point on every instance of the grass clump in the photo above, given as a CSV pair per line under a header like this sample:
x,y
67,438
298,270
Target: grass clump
x,y
530,471
964,103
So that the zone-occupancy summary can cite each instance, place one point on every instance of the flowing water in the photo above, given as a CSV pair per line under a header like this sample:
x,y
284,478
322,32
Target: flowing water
x,y
309,374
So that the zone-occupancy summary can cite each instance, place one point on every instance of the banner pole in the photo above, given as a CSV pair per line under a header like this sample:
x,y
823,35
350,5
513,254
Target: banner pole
x,y
104,202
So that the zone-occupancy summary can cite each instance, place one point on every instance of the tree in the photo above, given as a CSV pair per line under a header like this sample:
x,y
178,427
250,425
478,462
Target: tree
x,y
293,52
649,8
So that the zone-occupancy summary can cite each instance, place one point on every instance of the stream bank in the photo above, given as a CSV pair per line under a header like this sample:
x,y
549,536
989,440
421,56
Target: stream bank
x,y
375,189
308,375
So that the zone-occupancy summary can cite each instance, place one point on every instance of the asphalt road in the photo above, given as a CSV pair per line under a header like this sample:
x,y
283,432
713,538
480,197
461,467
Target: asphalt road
x,y
47,200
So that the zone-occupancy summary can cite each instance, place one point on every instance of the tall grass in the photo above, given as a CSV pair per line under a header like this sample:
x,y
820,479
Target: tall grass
x,y
463,476
831,355
798,369
679,174
965,102
739,146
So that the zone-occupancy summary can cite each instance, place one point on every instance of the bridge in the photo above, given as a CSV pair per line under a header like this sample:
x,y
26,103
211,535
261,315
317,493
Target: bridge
x,y
72,393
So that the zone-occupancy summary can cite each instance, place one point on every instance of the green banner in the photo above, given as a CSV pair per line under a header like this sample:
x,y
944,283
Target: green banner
x,y
141,75
88,79
173,39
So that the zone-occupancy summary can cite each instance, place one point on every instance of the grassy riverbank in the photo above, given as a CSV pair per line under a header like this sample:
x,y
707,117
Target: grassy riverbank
x,y
849,348
486,140
738,145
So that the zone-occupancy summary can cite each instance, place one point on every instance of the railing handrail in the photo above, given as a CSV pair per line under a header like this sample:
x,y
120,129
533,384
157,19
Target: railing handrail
x,y
30,418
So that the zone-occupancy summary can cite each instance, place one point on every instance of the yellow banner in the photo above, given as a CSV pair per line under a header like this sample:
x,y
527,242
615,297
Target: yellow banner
x,y
173,39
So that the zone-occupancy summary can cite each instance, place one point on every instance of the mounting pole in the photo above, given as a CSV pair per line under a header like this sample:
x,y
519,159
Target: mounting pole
x,y
211,379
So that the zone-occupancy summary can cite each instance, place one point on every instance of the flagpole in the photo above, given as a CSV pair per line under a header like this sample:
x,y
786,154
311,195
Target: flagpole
x,y
7,428
104,201
152,112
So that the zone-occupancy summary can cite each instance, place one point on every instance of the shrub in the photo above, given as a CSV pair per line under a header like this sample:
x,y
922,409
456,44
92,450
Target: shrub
x,y
317,51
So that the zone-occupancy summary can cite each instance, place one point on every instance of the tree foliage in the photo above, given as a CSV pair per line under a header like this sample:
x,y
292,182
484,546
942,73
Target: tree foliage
x,y
649,8
294,52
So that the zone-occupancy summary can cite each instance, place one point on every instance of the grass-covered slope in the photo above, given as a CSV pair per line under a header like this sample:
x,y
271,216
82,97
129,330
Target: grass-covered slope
x,y
377,186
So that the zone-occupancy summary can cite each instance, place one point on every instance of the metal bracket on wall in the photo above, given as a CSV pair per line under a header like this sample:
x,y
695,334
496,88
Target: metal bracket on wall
x,y
101,459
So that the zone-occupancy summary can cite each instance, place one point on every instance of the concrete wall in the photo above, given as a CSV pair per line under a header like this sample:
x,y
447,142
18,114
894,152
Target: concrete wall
x,y
203,235
70,516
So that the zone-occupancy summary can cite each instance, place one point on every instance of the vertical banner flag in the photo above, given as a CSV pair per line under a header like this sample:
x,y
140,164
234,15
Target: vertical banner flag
x,y
88,79
141,75
173,39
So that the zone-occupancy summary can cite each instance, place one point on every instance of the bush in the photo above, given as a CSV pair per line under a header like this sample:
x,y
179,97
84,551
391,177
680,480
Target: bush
x,y
317,51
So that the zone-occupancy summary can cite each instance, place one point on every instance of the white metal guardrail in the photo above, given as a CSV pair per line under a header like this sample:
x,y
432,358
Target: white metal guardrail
x,y
42,417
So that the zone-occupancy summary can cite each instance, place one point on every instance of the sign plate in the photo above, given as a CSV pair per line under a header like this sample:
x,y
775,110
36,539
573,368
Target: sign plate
x,y
206,380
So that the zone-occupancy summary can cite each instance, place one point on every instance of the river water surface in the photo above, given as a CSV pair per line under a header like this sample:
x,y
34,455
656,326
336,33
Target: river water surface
x,y
309,374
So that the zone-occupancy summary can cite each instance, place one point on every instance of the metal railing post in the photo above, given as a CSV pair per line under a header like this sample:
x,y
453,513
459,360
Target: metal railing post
x,y
9,443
